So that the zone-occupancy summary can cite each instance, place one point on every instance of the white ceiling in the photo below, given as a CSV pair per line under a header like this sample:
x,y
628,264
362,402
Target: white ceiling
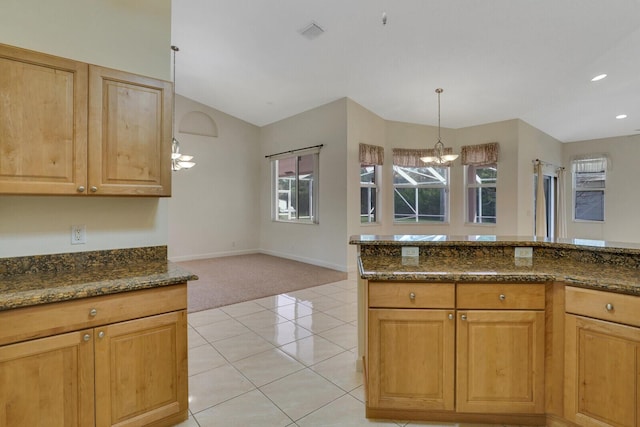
x,y
495,60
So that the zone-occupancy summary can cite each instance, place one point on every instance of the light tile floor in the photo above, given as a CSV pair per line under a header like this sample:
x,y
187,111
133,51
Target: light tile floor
x,y
286,360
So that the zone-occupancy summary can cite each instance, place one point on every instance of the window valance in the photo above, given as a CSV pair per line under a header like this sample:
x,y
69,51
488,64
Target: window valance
x,y
591,163
371,155
482,154
410,157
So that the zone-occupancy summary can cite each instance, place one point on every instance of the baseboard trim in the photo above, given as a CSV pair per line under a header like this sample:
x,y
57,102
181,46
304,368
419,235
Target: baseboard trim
x,y
212,255
311,261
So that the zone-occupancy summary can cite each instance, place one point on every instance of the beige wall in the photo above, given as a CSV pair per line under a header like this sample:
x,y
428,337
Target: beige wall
x,y
214,208
129,35
622,203
365,127
322,244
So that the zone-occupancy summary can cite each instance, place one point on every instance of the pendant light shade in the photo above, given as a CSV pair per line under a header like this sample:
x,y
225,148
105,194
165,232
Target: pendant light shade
x,y
178,161
440,154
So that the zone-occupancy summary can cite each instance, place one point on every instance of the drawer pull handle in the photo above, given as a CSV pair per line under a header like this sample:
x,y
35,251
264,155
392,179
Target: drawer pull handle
x,y
450,316
412,296
101,334
502,297
94,188
86,337
609,307
463,317
93,312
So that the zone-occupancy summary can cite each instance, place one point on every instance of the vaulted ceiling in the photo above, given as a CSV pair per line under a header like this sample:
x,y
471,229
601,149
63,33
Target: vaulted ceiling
x,y
495,60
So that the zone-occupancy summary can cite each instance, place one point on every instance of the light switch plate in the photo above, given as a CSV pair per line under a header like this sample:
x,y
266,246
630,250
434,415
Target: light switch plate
x,y
410,251
524,252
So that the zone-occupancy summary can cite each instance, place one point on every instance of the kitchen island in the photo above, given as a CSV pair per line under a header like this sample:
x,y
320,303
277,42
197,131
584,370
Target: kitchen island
x,y
94,338
465,331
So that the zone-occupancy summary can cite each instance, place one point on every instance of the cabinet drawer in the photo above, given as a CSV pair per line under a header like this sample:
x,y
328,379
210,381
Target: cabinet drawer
x,y
496,296
608,306
51,319
411,295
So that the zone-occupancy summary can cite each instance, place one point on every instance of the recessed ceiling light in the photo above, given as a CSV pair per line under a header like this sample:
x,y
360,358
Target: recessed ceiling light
x,y
621,116
598,77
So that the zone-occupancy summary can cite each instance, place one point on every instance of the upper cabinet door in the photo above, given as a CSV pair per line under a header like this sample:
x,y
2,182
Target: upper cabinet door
x,y
43,123
129,134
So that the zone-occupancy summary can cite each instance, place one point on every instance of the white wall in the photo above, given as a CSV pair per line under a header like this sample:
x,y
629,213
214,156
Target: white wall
x,y
129,35
214,208
622,203
323,244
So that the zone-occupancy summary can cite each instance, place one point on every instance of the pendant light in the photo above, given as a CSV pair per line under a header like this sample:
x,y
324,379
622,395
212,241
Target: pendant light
x,y
178,161
439,156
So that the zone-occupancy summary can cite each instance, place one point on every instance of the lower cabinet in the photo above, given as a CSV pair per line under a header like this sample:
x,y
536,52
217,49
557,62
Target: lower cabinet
x,y
48,379
602,359
500,361
411,359
126,373
452,352
140,371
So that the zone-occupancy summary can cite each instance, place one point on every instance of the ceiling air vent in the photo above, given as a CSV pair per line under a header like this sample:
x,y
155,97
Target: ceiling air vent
x,y
311,31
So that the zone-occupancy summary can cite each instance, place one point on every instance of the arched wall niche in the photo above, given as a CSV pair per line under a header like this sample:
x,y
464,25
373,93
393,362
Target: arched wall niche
x,y
198,123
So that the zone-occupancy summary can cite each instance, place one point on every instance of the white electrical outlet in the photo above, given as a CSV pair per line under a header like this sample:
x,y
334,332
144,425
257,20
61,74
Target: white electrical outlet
x,y
78,234
524,252
410,251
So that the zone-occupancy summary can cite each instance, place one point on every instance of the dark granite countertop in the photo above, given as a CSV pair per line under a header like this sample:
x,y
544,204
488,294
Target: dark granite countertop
x,y
602,265
608,278
27,281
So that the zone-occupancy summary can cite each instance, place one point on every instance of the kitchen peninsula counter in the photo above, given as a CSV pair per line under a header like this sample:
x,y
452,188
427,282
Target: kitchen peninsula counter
x,y
607,266
459,329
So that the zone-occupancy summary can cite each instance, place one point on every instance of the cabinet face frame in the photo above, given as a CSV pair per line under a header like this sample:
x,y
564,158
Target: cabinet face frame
x,y
141,370
43,126
389,364
488,379
601,392
48,379
129,152
70,128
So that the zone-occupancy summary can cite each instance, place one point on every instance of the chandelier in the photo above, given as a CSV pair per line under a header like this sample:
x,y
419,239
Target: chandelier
x,y
178,161
440,154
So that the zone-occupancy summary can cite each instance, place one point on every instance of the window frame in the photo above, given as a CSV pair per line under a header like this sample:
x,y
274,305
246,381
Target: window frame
x,y
314,196
375,186
475,185
447,192
575,189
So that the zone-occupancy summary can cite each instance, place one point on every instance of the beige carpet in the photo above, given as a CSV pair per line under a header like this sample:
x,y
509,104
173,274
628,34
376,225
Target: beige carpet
x,y
233,279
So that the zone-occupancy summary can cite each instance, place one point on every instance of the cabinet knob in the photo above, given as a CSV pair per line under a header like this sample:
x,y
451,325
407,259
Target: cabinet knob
x,y
412,296
609,307
101,334
81,189
93,312
450,316
463,317
502,297
94,189
86,337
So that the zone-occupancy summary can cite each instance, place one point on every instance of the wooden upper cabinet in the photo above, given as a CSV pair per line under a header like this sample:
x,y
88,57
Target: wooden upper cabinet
x,y
129,134
67,127
43,122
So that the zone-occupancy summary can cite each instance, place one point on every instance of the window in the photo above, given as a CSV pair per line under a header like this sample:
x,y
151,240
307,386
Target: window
x,y
369,194
420,194
589,178
295,188
481,193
